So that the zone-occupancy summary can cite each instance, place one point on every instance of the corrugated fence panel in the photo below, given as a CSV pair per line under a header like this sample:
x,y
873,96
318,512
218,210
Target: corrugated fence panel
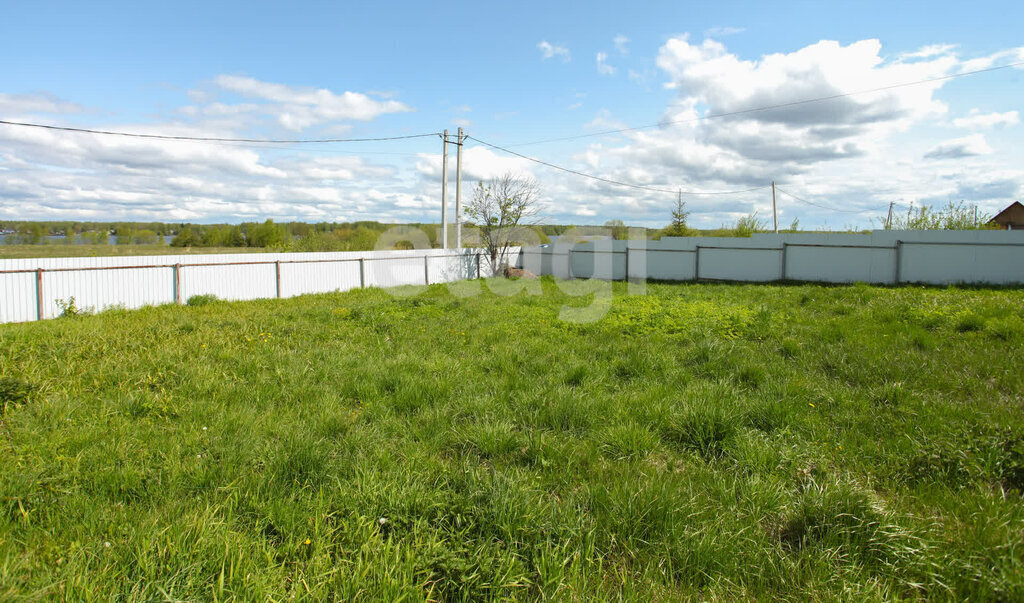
x,y
101,289
445,269
546,261
938,257
740,264
393,272
134,281
232,281
605,264
840,264
17,297
946,264
318,277
665,264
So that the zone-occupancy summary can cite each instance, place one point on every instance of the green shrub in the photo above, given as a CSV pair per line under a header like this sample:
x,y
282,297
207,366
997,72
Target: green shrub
x,y
1006,329
970,322
844,520
15,392
891,394
69,308
201,300
769,415
705,429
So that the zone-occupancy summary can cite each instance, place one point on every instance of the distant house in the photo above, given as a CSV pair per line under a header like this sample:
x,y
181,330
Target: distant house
x,y
1011,218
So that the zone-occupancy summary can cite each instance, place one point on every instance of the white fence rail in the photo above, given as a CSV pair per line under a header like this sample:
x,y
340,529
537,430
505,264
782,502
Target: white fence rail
x,y
30,288
883,257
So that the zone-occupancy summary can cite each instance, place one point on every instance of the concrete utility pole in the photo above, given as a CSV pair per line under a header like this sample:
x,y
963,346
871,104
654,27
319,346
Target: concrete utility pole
x,y
458,192
444,193
775,213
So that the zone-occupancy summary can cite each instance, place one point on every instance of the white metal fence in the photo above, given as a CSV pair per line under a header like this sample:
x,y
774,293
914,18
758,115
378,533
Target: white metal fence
x,y
883,256
30,289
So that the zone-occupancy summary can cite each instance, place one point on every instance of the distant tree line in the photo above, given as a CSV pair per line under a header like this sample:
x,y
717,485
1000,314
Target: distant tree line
x,y
286,236
363,235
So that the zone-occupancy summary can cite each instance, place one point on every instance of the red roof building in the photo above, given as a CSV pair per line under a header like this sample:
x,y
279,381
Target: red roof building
x,y
1011,218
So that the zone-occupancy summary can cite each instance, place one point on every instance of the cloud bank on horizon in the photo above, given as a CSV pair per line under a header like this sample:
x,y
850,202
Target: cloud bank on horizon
x,y
855,152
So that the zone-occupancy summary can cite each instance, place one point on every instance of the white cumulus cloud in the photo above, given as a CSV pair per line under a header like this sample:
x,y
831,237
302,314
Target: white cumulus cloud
x,y
958,148
719,32
977,119
602,65
21,104
549,50
621,42
298,108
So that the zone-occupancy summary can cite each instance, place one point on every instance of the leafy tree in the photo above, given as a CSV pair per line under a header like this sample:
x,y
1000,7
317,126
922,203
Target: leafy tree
x,y
362,239
315,240
223,235
145,237
267,234
619,230
33,234
124,235
186,237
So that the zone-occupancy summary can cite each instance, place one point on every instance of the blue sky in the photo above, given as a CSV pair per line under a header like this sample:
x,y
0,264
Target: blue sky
x,y
508,73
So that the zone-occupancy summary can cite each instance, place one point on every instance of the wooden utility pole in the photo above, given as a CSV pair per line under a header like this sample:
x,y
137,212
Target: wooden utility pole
x,y
888,219
775,213
444,193
458,192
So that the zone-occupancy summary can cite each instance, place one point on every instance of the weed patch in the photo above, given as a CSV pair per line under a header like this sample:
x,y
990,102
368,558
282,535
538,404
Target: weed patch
x,y
15,392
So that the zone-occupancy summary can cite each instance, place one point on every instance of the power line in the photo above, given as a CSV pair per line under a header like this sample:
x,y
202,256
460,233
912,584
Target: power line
x,y
214,139
610,181
769,107
845,211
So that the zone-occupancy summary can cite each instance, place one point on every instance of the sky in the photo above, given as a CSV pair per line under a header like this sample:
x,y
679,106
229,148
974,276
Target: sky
x,y
514,75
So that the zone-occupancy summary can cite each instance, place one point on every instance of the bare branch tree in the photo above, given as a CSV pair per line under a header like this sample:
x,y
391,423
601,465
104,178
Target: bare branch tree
x,y
499,208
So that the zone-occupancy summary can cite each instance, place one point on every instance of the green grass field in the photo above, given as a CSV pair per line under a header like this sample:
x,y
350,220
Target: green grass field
x,y
74,251
701,441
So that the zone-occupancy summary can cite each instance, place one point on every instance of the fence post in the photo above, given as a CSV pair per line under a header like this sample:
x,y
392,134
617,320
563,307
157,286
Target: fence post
x,y
277,276
177,283
568,256
362,274
626,276
696,263
782,276
39,293
426,269
478,265
896,275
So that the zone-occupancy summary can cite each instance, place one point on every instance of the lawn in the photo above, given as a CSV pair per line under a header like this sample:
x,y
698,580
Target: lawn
x,y
709,441
75,251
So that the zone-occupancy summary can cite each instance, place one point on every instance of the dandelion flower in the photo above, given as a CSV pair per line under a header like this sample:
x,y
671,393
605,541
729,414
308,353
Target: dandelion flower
x,y
810,404
307,542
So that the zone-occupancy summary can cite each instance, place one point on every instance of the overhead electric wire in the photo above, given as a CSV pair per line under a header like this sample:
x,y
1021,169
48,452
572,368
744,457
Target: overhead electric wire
x,y
214,139
845,211
769,107
609,180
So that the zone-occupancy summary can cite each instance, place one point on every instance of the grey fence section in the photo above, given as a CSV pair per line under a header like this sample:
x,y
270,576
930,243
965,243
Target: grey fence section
x,y
30,289
883,257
